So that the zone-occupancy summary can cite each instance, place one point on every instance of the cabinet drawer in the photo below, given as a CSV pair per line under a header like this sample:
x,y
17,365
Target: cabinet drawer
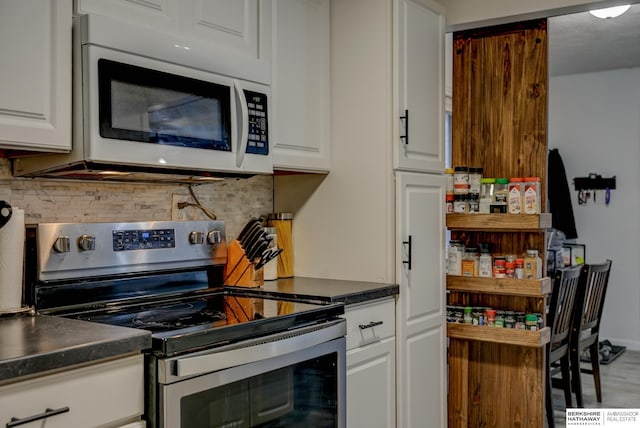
x,y
370,322
96,395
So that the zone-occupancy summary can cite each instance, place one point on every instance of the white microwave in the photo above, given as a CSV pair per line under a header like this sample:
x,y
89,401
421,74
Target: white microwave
x,y
146,102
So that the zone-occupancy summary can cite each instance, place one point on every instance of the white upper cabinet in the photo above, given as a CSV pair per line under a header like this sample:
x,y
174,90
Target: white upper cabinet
x,y
238,31
419,122
301,85
162,15
35,83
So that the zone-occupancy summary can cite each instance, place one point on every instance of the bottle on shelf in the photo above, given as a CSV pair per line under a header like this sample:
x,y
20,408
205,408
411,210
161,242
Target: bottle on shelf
x,y
515,195
532,265
500,196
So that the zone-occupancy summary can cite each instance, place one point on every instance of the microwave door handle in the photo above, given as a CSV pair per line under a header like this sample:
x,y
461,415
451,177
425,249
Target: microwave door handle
x,y
243,122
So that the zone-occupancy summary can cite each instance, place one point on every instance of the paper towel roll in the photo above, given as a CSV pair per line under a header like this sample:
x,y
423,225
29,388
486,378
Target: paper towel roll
x,y
12,261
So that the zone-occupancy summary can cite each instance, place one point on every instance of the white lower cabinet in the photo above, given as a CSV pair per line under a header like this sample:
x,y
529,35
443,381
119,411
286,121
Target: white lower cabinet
x,y
371,365
421,333
108,394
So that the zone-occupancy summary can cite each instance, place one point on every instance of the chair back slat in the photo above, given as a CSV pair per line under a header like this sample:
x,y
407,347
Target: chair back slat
x,y
563,298
596,288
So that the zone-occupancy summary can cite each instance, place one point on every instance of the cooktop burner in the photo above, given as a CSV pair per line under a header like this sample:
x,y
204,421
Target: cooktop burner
x,y
176,316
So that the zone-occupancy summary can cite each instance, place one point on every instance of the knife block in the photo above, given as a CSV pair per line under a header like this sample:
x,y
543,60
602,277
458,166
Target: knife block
x,y
239,270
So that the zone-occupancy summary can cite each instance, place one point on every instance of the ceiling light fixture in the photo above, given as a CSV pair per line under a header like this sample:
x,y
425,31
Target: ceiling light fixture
x,y
610,12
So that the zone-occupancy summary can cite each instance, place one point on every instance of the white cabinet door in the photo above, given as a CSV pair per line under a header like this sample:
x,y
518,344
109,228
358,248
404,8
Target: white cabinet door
x,y
235,33
421,328
371,385
235,24
35,75
161,15
301,85
419,38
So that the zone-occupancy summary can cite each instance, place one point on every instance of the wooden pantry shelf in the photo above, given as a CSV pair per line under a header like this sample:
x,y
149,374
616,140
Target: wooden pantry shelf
x,y
510,336
507,286
499,222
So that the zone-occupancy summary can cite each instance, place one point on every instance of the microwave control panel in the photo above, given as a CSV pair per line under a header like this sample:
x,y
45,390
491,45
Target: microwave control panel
x,y
258,139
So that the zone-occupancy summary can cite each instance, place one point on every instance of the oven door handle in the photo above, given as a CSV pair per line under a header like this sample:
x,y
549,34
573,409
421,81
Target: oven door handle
x,y
261,349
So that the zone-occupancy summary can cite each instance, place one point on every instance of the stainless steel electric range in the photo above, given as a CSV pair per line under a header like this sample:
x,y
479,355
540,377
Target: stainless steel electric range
x,y
220,357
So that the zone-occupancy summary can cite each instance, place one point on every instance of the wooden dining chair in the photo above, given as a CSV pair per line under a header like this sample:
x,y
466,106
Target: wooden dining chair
x,y
586,326
559,319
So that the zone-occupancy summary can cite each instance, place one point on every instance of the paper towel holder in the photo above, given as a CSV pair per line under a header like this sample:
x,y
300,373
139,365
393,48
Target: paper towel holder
x,y
5,213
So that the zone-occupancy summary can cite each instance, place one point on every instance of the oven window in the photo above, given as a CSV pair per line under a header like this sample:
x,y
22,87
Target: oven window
x,y
143,105
302,395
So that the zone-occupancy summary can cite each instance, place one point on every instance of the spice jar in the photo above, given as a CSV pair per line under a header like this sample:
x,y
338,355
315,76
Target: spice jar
x,y
491,317
510,269
283,222
461,180
510,319
474,203
454,255
484,264
475,180
515,195
520,321
470,262
499,267
449,180
449,200
499,319
531,322
487,186
531,195
532,265
500,196
478,316
460,204
520,268
468,316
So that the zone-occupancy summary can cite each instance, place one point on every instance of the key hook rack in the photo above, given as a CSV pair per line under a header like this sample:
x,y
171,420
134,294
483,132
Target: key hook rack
x,y
585,186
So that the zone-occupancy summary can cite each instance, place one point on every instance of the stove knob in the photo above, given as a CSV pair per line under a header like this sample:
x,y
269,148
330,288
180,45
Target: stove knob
x,y
196,238
62,244
87,242
214,237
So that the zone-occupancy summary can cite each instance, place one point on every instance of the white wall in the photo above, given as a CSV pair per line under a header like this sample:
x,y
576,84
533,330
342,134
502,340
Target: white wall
x,y
594,121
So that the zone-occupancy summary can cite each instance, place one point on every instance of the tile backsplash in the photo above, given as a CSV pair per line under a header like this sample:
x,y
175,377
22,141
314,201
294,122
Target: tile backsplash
x,y
233,200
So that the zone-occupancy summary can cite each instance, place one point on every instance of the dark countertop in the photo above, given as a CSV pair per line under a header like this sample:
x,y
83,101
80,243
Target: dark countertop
x,y
329,290
30,345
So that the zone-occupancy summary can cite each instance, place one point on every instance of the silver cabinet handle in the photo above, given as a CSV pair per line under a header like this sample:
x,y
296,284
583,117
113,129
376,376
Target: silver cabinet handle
x,y
370,325
46,414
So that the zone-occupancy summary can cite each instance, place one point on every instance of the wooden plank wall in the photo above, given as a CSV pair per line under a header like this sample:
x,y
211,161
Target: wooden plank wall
x,y
500,100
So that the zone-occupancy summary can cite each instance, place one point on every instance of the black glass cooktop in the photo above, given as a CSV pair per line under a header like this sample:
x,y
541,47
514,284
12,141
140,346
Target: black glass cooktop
x,y
184,311
217,318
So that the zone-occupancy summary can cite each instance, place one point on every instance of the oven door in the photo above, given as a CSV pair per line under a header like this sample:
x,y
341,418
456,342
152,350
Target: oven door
x,y
304,385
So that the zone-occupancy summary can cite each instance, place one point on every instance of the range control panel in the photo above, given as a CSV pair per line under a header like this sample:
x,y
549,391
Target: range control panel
x,y
81,250
127,240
